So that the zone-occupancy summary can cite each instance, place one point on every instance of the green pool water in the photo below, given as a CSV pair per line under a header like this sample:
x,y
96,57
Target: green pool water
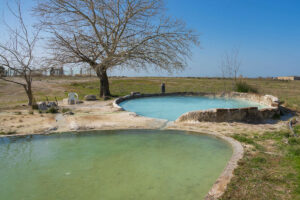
x,y
111,165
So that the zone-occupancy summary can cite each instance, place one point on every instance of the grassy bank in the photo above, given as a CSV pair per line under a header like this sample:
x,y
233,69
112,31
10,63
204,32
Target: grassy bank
x,y
287,91
270,168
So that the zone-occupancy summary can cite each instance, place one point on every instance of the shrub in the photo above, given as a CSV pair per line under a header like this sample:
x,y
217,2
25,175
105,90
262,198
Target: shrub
x,y
31,112
75,84
35,107
52,110
242,86
11,132
287,134
295,151
297,129
294,141
64,110
276,116
8,133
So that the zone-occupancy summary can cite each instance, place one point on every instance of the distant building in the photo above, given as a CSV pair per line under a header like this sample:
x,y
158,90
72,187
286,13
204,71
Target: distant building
x,y
2,71
37,72
56,71
288,78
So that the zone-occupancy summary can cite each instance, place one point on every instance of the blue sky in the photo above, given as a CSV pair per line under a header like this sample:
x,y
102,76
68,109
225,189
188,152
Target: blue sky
x,y
267,32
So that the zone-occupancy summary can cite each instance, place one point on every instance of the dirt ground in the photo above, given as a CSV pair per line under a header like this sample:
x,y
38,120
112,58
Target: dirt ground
x,y
89,115
102,115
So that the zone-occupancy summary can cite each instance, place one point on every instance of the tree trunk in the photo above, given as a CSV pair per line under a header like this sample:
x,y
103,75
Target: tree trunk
x,y
29,94
104,84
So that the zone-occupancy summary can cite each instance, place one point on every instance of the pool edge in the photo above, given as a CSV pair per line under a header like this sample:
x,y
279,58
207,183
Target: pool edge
x,y
246,114
220,185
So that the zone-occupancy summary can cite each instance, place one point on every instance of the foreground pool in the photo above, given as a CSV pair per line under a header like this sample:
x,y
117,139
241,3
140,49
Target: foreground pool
x,y
172,107
111,165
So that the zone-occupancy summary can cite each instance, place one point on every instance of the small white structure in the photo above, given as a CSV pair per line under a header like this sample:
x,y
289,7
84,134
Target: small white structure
x,y
72,98
288,78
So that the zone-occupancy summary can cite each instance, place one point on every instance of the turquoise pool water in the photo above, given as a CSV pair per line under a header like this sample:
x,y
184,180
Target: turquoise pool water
x,y
172,107
111,165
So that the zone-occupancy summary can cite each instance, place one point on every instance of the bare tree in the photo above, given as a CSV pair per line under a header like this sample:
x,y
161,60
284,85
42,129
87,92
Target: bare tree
x,y
16,54
230,64
109,33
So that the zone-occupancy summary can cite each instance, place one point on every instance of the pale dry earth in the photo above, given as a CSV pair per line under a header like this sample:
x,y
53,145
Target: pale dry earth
x,y
102,115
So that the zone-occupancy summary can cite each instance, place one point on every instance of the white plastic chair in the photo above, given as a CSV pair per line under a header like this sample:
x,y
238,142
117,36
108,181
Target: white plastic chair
x,y
72,98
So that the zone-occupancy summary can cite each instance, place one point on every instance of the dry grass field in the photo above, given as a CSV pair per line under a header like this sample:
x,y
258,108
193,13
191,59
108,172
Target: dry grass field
x,y
12,95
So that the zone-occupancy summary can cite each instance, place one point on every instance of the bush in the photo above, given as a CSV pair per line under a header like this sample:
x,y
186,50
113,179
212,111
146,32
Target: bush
x,y
11,132
52,110
31,112
295,151
294,141
64,110
276,116
8,133
242,86
75,84
297,129
35,107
